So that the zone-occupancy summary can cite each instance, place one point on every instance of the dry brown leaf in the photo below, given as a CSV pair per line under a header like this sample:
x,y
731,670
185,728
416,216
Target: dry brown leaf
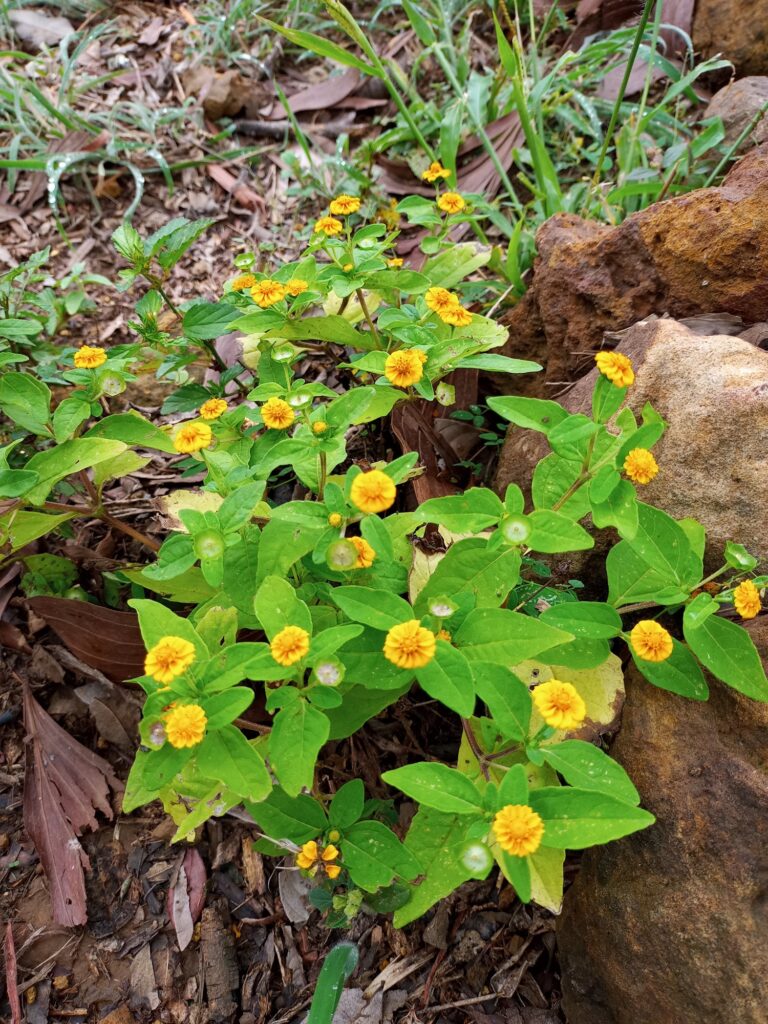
x,y
242,193
11,984
186,897
101,637
38,29
65,785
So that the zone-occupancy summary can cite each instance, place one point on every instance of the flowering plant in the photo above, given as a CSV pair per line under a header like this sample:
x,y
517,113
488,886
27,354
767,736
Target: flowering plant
x,y
329,606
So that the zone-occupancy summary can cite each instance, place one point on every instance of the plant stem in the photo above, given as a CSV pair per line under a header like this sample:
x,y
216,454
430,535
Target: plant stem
x,y
369,319
474,746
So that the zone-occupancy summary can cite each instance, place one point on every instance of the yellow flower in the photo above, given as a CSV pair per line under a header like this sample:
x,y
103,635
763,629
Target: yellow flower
x,y
365,553
342,205
518,829
267,292
328,226
373,491
641,466
213,408
559,704
435,171
332,870
192,437
170,657
457,316
185,725
310,857
395,261
404,367
319,427
616,367
409,645
290,645
451,202
243,282
440,299
87,358
746,598
277,414
650,641
335,519
330,853
296,286
347,267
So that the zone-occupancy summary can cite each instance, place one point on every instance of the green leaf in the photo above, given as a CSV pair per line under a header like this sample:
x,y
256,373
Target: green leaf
x,y
293,818
373,855
282,544
619,509
319,328
436,785
727,650
471,566
592,620
375,608
531,413
223,708
169,243
435,838
16,482
606,399
737,556
277,606
156,621
577,818
552,478
470,512
567,436
21,528
517,871
322,47
505,637
547,878
133,429
329,641
587,767
65,459
490,362
513,788
347,804
228,757
68,416
26,401
507,697
337,967
298,732
679,673
553,532
448,678
204,321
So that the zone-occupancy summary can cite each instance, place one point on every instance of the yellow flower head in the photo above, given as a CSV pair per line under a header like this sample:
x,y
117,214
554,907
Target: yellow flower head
x,y
87,358
192,437
213,408
243,282
290,645
185,725
616,367
395,261
296,286
456,316
328,226
640,466
335,519
440,299
451,202
365,553
319,427
650,641
308,856
169,658
373,491
435,171
409,645
746,598
518,829
342,205
559,704
267,292
332,870
277,414
404,367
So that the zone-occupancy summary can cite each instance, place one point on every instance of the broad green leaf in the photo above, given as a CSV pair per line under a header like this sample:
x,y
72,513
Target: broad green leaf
x,y
592,620
241,661
120,466
567,437
133,429
530,413
156,621
65,459
435,838
293,818
436,785
517,871
69,415
587,767
601,688
374,855
320,328
727,650
552,479
679,673
238,507
659,563
228,757
513,788
375,608
223,708
16,482
546,866
472,567
470,512
505,637
322,47
619,509
282,544
577,818
347,804
358,706
277,606
298,732
26,401
329,641
507,697
448,678
553,532
490,362
204,321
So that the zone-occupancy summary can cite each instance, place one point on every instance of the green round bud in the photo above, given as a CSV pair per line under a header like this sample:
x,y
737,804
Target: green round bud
x,y
284,352
329,672
442,607
245,260
75,594
209,544
341,555
110,383
476,858
516,529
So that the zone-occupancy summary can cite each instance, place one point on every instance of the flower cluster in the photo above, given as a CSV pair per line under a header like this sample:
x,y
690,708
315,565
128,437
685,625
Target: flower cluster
x,y
312,856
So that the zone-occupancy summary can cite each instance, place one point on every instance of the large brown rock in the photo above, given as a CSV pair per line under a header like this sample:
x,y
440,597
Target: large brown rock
x,y
737,29
739,104
713,392
707,250
670,926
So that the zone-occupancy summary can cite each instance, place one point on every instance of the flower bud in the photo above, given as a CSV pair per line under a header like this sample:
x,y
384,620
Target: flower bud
x,y
209,544
157,734
110,384
516,529
442,607
329,672
341,555
476,858
284,352
245,260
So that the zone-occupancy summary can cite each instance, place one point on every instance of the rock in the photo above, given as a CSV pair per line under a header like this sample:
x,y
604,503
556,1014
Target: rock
x,y
703,251
737,29
669,926
713,393
38,29
738,104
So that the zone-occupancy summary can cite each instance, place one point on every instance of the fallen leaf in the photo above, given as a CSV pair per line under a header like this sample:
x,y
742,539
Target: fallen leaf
x,y
64,786
11,985
242,193
294,894
101,637
38,29
186,897
323,95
